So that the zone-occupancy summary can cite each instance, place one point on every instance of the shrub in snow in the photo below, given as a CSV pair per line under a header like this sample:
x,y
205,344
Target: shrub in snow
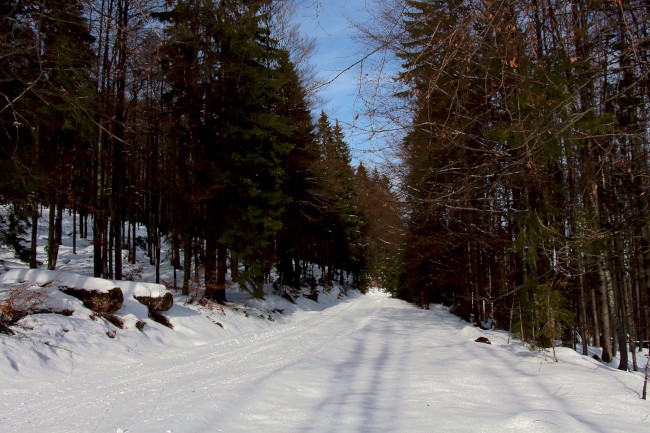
x,y
135,273
14,223
17,302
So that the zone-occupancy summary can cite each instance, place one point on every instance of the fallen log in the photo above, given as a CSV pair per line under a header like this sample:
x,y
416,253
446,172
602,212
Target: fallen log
x,y
108,301
156,303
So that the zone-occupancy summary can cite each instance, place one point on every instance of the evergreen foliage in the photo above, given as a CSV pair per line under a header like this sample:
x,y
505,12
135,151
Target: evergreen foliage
x,y
13,231
346,225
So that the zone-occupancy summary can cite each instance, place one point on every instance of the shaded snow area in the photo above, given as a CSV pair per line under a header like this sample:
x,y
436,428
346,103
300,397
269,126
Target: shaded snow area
x,y
368,363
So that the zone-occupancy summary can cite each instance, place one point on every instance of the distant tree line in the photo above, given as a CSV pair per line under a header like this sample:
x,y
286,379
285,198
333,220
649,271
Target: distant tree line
x,y
189,118
526,164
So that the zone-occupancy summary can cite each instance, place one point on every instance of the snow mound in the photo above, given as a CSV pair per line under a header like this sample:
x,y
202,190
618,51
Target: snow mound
x,y
470,332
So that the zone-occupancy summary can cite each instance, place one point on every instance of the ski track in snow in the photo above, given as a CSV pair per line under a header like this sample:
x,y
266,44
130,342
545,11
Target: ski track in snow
x,y
368,364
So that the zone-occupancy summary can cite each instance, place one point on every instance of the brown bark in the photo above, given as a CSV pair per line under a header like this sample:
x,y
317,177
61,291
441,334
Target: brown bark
x,y
222,266
605,321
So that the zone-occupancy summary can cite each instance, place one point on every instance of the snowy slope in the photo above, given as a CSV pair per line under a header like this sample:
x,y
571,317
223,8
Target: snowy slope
x,y
367,364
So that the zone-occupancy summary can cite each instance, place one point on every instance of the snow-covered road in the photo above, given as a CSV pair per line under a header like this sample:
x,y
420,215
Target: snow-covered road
x,y
368,364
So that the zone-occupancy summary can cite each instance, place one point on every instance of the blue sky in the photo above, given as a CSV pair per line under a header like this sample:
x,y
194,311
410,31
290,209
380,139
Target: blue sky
x,y
331,24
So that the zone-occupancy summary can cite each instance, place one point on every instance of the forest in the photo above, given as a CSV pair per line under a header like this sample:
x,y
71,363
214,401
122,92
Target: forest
x,y
516,192
525,164
192,119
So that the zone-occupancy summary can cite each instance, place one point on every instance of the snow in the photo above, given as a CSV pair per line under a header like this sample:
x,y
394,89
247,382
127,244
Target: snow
x,y
349,363
367,364
138,288
42,278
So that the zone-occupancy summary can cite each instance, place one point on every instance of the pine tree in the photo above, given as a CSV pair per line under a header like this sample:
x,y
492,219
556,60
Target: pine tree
x,y
224,71
47,89
304,215
347,224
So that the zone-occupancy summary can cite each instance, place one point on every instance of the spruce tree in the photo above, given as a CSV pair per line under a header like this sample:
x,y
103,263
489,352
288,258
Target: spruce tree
x,y
302,220
257,137
224,72
47,91
346,219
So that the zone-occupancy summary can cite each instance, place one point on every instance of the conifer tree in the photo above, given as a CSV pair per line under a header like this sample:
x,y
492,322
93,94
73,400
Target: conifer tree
x,y
347,251
257,137
47,94
187,58
224,71
304,215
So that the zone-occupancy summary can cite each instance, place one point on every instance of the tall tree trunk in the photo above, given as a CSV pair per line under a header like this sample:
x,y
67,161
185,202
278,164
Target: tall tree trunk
x,y
100,223
98,242
583,314
34,238
187,262
222,266
595,316
134,241
620,308
211,278
74,231
109,251
234,267
629,321
80,223
605,320
158,240
58,225
118,134
52,244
